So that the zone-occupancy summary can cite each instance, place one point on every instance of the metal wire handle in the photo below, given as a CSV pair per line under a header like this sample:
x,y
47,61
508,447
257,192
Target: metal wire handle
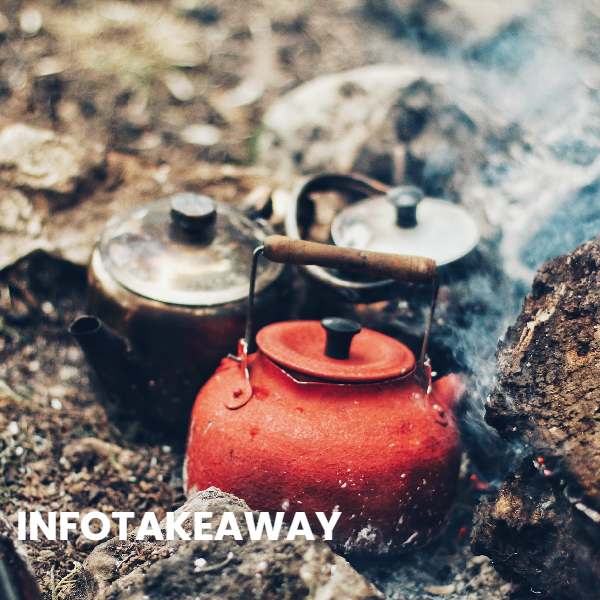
x,y
286,250
249,343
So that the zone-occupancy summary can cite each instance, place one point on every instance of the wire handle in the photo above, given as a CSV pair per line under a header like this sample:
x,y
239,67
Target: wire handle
x,y
282,249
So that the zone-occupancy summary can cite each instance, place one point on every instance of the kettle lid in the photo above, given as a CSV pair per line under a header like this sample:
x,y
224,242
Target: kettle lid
x,y
335,350
403,221
185,249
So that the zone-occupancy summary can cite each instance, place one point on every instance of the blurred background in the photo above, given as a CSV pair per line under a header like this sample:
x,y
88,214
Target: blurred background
x,y
502,93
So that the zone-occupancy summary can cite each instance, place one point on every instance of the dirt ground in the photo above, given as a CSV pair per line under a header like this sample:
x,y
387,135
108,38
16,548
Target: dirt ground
x,y
137,75
162,85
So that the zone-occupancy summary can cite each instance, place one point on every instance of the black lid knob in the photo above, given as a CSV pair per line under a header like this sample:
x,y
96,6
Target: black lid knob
x,y
193,212
405,200
339,336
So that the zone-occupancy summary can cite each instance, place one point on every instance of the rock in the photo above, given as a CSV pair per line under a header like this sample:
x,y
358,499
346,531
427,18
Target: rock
x,y
201,134
21,222
528,530
325,123
440,590
16,212
16,576
43,160
549,368
4,25
88,450
132,570
543,527
358,120
48,66
31,21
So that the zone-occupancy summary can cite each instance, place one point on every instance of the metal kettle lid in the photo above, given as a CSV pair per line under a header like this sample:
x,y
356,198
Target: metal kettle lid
x,y
404,222
336,350
185,249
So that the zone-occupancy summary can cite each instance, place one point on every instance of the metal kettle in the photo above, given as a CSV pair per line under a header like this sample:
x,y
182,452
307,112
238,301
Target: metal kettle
x,y
168,286
328,416
394,219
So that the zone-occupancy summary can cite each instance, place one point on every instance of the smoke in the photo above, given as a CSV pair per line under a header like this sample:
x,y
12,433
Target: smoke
x,y
541,74
538,187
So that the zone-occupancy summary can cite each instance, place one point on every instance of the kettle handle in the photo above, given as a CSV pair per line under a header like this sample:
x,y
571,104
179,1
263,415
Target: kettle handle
x,y
282,249
415,269
356,186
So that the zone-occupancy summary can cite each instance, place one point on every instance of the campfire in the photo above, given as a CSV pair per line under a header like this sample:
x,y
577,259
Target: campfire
x,y
323,276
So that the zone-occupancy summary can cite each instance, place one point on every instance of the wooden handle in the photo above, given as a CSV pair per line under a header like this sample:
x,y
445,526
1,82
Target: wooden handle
x,y
281,249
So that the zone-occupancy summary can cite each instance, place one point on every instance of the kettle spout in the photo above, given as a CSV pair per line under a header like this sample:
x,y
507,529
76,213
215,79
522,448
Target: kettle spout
x,y
111,358
103,348
448,390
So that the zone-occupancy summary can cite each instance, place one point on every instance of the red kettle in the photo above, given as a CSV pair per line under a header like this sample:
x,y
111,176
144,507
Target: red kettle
x,y
327,416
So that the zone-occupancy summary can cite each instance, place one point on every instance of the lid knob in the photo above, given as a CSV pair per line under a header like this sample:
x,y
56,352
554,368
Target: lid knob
x,y
405,200
193,212
339,336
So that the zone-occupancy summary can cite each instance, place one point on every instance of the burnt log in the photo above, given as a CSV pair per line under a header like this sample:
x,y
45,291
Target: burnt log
x,y
17,581
543,527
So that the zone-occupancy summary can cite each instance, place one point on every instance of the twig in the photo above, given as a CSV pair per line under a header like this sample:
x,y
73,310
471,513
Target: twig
x,y
65,585
52,587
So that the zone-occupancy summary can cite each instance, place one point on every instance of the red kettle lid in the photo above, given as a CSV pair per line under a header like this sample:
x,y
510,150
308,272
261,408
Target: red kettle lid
x,y
336,350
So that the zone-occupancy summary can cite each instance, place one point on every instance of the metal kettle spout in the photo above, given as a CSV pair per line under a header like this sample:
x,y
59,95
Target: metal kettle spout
x,y
119,370
448,390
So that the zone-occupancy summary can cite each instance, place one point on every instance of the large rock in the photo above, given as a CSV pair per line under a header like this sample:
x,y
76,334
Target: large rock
x,y
227,569
356,120
543,528
17,581
41,159
325,123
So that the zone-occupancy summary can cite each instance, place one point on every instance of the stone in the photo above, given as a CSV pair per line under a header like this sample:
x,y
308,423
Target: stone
x,y
17,579
21,222
543,527
43,160
31,21
179,85
225,569
16,213
325,123
4,25
394,123
201,134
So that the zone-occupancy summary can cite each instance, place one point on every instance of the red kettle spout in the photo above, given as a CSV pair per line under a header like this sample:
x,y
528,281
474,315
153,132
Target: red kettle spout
x,y
448,390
